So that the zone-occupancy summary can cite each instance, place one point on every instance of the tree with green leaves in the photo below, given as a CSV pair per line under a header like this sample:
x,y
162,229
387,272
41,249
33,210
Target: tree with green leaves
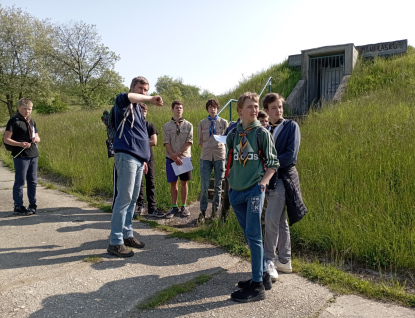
x,y
25,43
83,58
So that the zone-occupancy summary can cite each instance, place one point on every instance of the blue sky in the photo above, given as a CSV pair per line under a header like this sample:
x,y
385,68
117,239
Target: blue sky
x,y
214,44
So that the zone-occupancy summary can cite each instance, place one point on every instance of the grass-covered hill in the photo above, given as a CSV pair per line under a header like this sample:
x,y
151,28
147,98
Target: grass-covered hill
x,y
355,162
356,165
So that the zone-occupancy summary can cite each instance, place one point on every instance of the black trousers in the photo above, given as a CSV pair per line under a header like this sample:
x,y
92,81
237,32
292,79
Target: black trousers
x,y
150,188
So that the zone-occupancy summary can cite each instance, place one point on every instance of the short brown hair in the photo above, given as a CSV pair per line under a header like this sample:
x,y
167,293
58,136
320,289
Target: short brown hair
x,y
245,96
24,102
144,106
139,79
176,102
262,114
212,102
270,98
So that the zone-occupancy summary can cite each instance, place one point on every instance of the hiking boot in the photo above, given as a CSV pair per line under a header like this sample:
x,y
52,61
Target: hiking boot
x,y
21,210
32,208
119,250
266,280
133,242
201,219
272,271
156,213
285,268
184,212
172,212
255,291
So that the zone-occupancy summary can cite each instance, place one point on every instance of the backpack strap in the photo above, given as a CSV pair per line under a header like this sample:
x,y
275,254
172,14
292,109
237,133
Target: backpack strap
x,y
259,144
229,165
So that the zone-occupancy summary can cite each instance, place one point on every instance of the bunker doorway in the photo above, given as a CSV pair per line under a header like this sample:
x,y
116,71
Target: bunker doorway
x,y
324,76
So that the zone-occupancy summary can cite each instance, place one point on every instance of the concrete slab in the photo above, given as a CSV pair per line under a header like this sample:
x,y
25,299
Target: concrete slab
x,y
351,306
290,296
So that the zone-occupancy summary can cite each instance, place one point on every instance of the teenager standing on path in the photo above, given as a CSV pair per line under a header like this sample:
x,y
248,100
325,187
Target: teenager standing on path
x,y
212,157
252,159
177,139
132,152
286,135
150,175
21,133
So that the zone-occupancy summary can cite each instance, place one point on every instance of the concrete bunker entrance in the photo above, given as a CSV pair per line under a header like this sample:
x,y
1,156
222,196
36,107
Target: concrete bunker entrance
x,y
324,76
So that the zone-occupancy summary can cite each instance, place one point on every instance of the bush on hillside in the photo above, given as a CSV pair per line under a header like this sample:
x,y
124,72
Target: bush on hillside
x,y
51,107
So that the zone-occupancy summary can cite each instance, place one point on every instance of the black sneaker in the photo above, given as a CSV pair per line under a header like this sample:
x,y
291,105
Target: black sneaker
x,y
32,208
21,210
184,212
133,242
119,250
157,214
172,212
255,291
266,280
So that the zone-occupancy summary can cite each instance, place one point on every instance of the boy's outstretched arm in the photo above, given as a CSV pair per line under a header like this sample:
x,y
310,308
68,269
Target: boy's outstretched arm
x,y
137,98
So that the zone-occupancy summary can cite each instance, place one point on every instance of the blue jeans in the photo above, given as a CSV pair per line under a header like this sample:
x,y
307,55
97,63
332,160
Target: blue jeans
x,y
206,167
24,169
129,171
248,206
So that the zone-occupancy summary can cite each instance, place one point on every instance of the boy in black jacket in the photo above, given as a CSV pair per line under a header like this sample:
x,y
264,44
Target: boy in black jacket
x,y
22,135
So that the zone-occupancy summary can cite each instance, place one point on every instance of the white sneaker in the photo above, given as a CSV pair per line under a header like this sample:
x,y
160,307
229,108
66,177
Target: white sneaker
x,y
272,271
286,268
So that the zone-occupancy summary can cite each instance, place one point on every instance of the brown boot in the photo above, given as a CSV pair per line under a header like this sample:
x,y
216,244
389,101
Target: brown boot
x,y
119,250
133,242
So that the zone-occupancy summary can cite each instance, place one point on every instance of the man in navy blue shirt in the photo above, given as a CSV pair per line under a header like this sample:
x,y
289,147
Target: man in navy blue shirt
x,y
132,152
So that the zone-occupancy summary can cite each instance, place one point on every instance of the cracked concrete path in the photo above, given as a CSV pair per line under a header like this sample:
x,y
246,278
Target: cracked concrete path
x,y
44,274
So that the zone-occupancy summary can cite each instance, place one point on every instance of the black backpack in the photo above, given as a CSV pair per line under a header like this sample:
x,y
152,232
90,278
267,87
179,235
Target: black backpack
x,y
8,147
108,118
109,122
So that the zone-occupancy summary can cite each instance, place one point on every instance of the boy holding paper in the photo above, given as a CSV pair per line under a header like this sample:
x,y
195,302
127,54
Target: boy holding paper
x,y
212,157
177,139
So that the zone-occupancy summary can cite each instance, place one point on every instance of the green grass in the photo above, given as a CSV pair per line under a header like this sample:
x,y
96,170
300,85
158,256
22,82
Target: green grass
x,y
172,291
345,283
94,259
356,168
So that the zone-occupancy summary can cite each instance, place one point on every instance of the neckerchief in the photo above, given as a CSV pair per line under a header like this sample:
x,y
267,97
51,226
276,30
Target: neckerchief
x,y
243,150
212,129
273,126
29,126
181,119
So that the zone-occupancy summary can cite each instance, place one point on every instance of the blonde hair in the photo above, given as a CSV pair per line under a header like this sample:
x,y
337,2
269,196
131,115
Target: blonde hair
x,y
24,102
245,96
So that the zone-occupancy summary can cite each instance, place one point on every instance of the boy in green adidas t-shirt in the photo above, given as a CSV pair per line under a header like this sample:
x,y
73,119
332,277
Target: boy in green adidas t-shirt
x,y
251,162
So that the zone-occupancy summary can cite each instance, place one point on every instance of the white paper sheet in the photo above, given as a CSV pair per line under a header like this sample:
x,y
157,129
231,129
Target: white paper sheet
x,y
185,167
220,138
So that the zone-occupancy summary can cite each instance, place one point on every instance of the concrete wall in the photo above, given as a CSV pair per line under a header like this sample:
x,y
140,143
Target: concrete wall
x,y
350,57
296,102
